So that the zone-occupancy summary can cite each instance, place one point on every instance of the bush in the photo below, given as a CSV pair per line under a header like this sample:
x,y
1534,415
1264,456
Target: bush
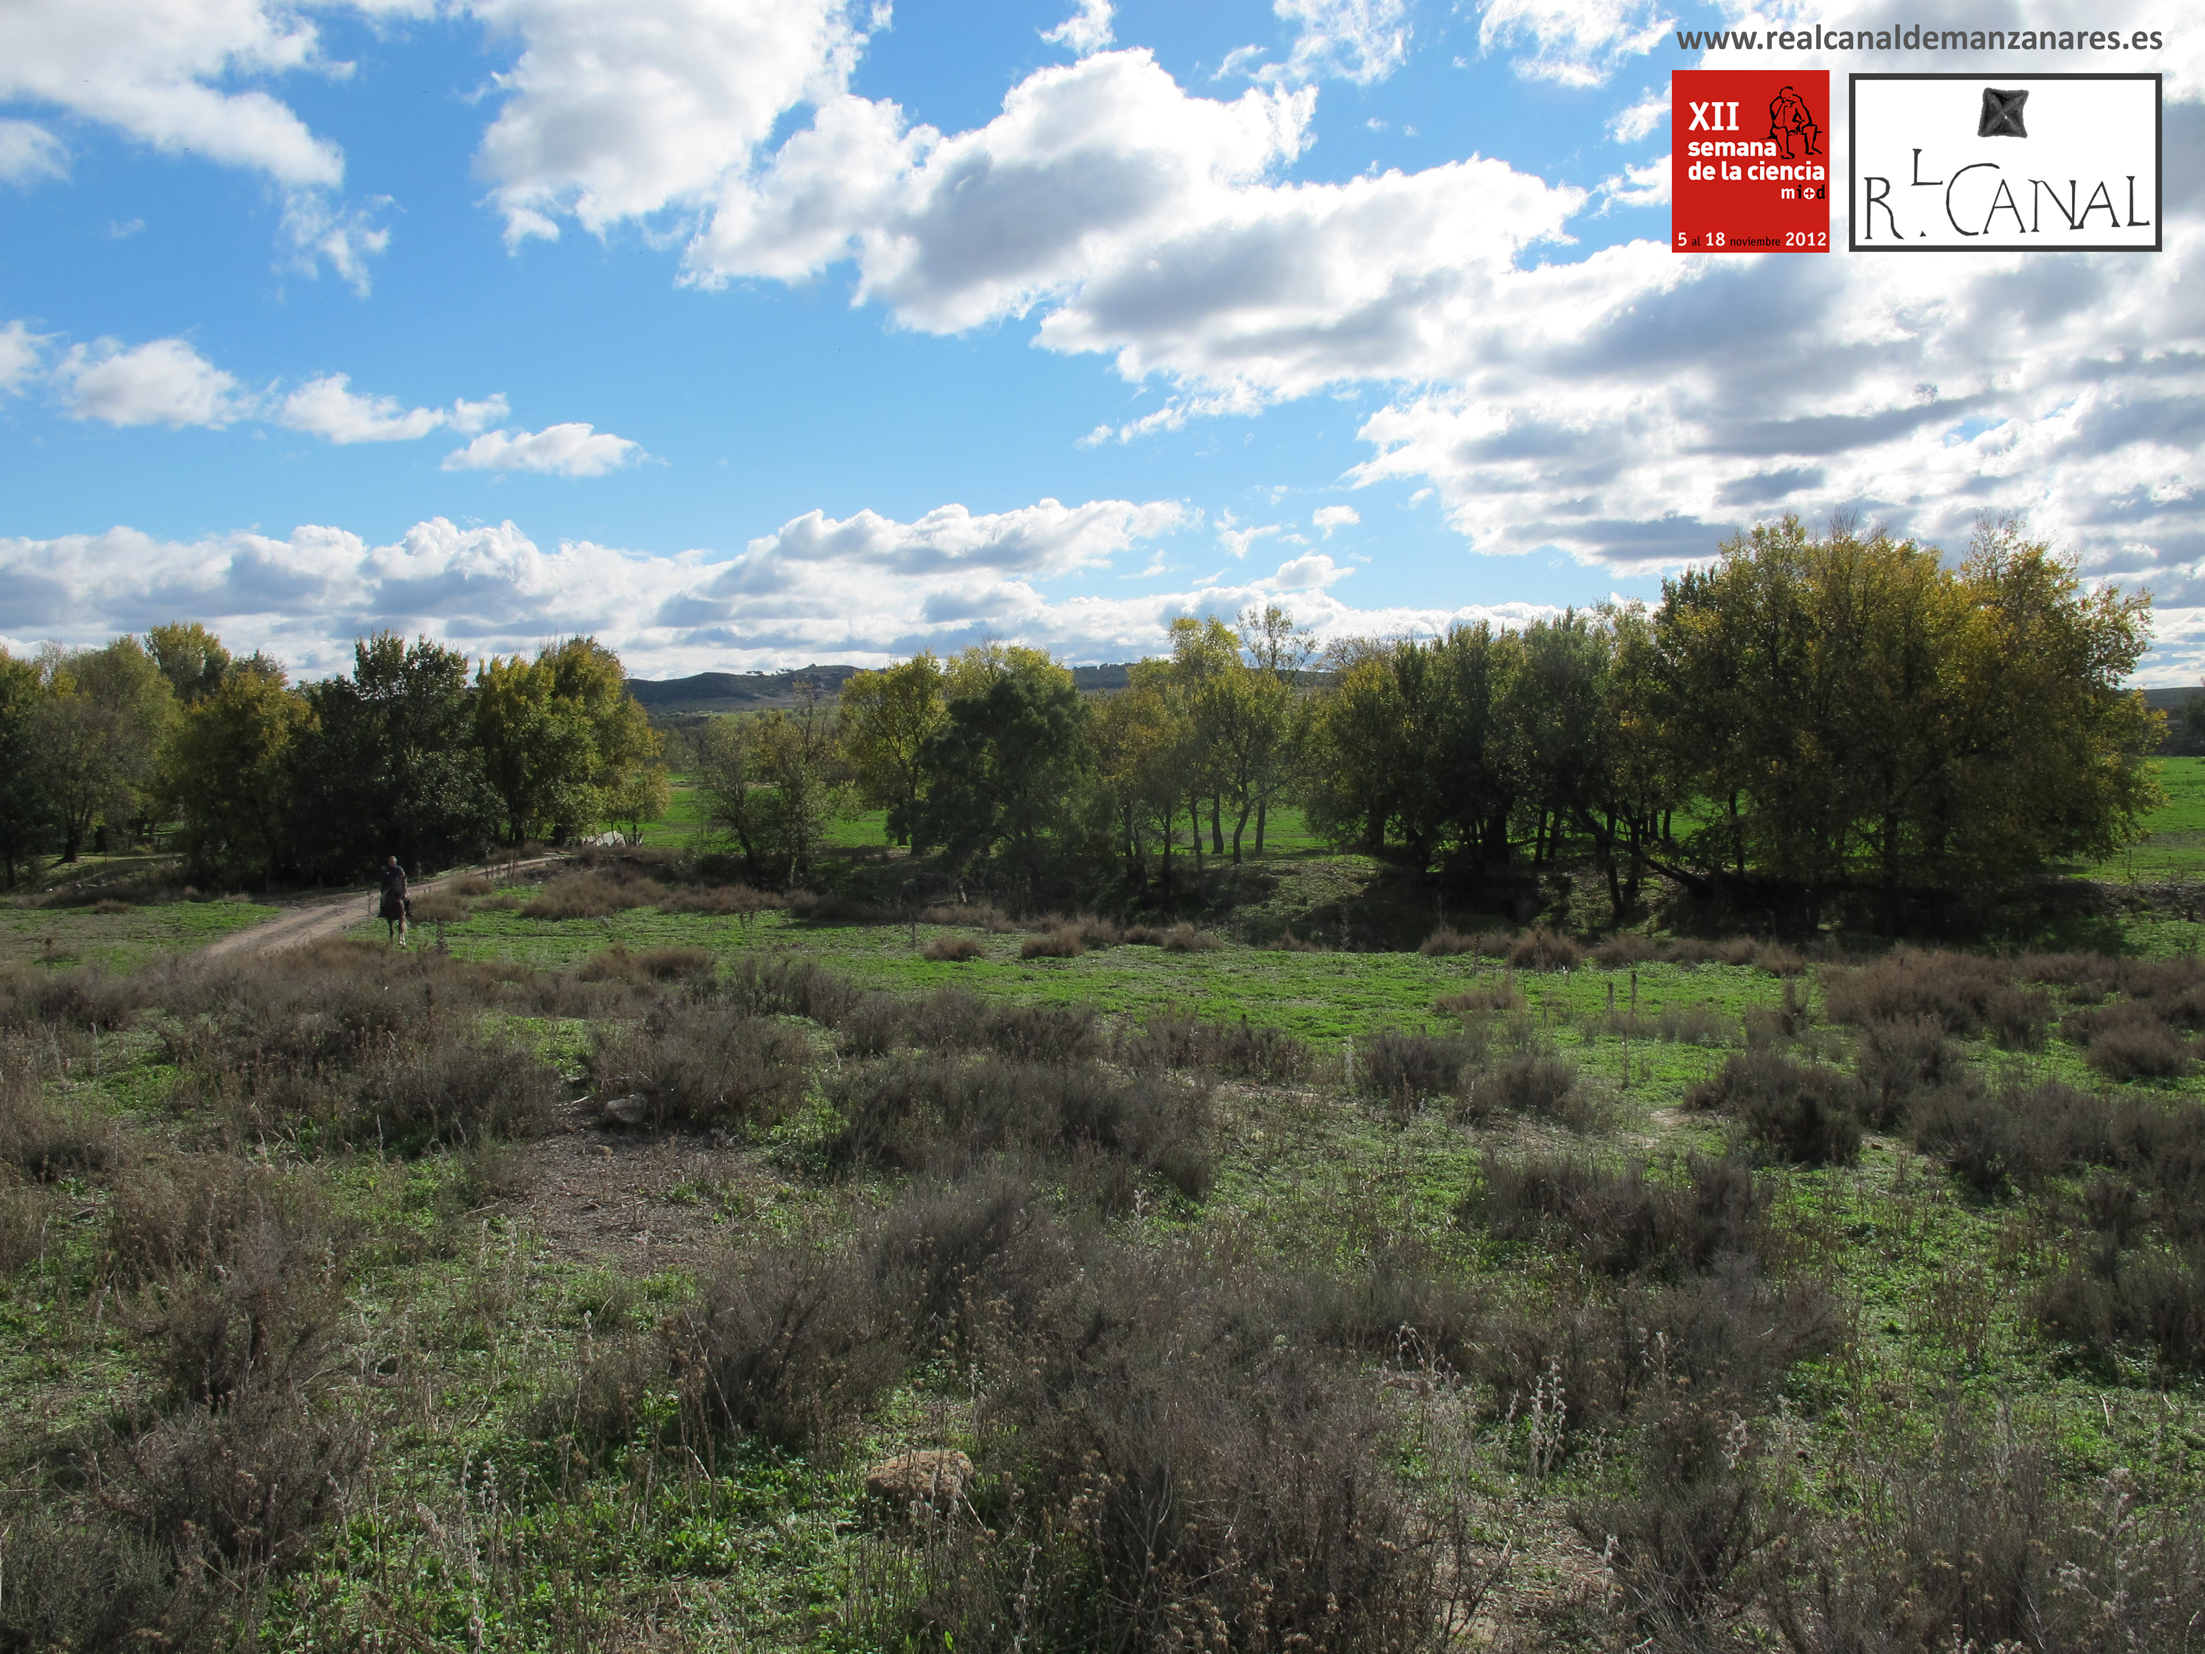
x,y
446,1086
1184,938
1955,988
1407,1067
1895,1062
1246,1050
1062,943
1446,942
1620,1221
1699,1023
699,1064
955,950
738,900
1792,1112
917,1112
1545,950
2127,1041
594,895
46,1140
1536,1082
786,1342
1493,994
664,964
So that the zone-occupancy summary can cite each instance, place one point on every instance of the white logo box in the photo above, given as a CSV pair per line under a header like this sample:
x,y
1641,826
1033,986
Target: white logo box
x,y
1922,177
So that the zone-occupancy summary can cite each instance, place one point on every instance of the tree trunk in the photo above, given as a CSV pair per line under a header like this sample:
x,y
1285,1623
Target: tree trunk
x,y
1217,826
1263,806
1239,826
1194,820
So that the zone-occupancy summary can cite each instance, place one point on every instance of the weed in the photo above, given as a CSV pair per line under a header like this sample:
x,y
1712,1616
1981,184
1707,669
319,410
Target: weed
x,y
596,894
1544,950
1492,994
1062,943
706,1063
956,950
667,964
1184,938
1895,1062
1794,1113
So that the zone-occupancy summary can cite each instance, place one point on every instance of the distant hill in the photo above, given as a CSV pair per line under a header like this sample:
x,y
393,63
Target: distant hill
x,y
708,692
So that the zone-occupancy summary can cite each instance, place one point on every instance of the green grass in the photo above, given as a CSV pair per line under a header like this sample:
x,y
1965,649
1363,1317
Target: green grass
x,y
2173,846
61,936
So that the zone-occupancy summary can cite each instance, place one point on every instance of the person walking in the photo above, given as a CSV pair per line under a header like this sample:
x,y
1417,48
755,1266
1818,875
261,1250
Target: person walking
x,y
395,903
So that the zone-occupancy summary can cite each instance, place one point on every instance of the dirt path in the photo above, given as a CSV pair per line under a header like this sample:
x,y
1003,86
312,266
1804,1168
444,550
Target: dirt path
x,y
311,921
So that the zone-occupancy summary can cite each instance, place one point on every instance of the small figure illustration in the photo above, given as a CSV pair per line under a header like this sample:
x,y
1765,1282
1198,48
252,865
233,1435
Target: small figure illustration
x,y
2002,115
1789,118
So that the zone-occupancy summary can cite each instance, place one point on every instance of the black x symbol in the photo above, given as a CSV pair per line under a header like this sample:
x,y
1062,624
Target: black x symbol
x,y
2001,114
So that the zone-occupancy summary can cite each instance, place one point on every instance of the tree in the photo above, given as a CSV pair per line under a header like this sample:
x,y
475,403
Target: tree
x,y
723,765
231,767
190,657
886,718
802,789
1277,650
26,819
1010,776
560,736
389,763
1855,707
642,796
96,735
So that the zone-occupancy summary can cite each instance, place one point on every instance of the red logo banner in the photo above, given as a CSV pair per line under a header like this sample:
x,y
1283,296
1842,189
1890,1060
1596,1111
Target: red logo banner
x,y
1749,167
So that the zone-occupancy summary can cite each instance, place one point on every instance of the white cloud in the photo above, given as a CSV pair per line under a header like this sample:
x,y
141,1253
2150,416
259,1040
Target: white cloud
x,y
30,154
1628,126
618,111
328,407
1356,40
164,382
1330,517
1573,42
1086,30
1635,186
562,450
1237,539
865,589
158,70
20,350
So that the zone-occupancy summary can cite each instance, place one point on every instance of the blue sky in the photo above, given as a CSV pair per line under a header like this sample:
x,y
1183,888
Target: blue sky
x,y
747,334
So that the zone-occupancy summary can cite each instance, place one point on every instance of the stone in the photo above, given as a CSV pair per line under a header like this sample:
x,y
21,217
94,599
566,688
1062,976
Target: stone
x,y
631,1110
935,1477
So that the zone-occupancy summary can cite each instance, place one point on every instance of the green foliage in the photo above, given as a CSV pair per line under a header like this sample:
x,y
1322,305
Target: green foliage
x,y
230,766
563,743
390,764
96,736
26,815
885,719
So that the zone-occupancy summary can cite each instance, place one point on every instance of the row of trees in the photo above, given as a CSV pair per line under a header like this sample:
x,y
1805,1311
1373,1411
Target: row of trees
x,y
414,753
1812,711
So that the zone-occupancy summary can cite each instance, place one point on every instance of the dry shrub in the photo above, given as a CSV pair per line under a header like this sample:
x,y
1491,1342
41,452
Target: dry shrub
x,y
86,997
25,1216
788,984
1621,1221
1446,942
1955,988
2127,1040
738,900
1168,1039
467,887
1545,950
192,1213
1699,1023
1062,943
1406,1068
1779,960
1794,1113
1895,1062
916,1112
1538,1082
787,1342
2022,1136
596,894
1290,943
1976,1539
453,1086
834,908
44,1139
703,1064
1480,998
1624,949
437,907
662,964
955,950
109,906
2146,1296
1184,938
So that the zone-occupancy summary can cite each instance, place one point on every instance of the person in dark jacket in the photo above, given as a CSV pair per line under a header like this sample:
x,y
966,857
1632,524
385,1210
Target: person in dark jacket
x,y
395,905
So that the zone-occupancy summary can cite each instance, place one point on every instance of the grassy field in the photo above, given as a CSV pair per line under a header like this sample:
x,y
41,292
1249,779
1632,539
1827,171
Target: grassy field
x,y
1561,1272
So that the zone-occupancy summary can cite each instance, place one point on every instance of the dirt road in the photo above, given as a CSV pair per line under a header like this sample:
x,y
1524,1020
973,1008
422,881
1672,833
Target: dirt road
x,y
311,921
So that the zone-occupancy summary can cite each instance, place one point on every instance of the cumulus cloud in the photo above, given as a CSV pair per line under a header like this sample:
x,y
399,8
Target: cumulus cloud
x,y
20,350
164,382
329,407
30,154
865,589
1087,30
573,450
1573,42
617,112
1330,517
1629,125
1355,40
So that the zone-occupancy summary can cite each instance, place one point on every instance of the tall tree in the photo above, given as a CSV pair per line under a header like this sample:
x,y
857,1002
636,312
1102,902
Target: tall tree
x,y
190,657
26,818
1278,650
560,737
886,718
390,763
97,735
1010,778
230,764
